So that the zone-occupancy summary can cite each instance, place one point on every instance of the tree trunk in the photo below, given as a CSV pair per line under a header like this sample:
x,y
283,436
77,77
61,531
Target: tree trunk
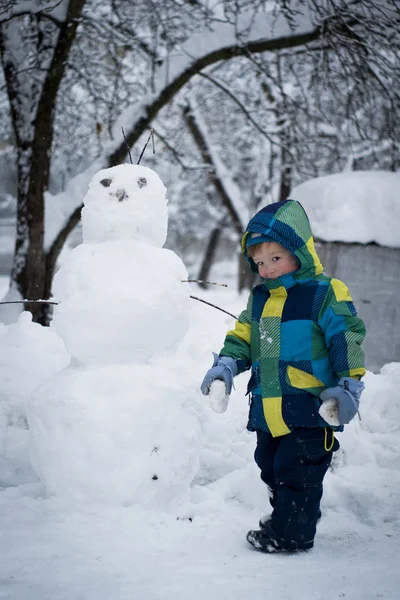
x,y
200,139
246,278
209,255
51,260
201,142
286,173
33,132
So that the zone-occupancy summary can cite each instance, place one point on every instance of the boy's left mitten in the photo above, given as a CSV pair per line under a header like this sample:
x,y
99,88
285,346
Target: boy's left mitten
x,y
347,393
224,369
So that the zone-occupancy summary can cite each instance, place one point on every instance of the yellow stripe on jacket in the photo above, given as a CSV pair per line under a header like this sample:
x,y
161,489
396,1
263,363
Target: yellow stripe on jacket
x,y
271,389
242,331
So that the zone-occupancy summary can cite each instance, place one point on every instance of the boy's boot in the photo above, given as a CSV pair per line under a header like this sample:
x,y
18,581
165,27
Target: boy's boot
x,y
266,518
266,540
263,542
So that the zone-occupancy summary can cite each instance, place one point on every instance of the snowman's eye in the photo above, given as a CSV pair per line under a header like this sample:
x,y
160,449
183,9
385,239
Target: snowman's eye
x,y
142,182
106,182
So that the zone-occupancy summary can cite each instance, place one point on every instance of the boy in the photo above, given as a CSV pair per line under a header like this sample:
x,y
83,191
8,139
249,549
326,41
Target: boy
x,y
301,336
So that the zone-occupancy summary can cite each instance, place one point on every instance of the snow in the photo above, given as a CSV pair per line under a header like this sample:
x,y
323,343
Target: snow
x,y
248,28
99,199
123,307
117,477
58,10
28,354
59,207
354,206
59,547
130,204
251,27
9,313
329,411
135,423
4,284
120,287
127,298
232,189
218,399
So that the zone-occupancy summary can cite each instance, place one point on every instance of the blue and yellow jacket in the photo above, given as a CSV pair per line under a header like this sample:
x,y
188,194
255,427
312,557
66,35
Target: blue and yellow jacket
x,y
299,334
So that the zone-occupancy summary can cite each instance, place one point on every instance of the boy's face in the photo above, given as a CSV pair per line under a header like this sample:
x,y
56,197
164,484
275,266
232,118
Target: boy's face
x,y
273,260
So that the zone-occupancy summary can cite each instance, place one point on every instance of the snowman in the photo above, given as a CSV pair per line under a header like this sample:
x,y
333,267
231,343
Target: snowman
x,y
119,425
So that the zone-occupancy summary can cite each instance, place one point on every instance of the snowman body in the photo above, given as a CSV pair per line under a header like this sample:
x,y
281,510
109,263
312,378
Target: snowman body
x,y
119,425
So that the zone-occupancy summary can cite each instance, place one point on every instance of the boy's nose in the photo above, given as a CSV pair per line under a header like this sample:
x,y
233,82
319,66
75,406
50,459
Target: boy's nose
x,y
267,272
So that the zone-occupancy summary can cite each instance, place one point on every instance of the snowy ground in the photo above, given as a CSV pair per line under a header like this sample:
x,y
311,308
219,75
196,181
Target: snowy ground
x,y
53,549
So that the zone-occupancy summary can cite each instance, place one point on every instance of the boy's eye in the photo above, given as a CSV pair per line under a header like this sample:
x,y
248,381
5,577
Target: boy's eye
x,y
276,258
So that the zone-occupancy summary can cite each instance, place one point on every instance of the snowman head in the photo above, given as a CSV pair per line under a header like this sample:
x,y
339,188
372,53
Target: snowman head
x,y
125,202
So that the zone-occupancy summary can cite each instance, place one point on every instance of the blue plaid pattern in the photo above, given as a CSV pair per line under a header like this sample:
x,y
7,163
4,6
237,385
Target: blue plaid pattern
x,y
299,334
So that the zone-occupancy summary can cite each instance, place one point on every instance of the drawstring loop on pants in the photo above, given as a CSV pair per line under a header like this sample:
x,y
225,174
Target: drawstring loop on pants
x,y
326,440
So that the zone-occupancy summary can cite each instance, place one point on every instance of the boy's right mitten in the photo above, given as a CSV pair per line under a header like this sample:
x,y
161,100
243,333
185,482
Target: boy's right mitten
x,y
224,369
347,394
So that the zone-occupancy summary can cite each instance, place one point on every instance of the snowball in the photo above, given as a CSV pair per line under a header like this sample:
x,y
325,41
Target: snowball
x,y
116,434
329,412
121,301
218,398
126,202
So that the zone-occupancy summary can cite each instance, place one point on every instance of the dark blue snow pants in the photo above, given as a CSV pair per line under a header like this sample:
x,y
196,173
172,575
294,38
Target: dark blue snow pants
x,y
294,466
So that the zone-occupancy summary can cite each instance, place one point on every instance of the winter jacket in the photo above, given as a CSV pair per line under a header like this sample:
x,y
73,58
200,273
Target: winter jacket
x,y
299,333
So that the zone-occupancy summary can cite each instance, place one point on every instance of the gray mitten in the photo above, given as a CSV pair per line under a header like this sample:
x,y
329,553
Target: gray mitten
x,y
224,368
347,393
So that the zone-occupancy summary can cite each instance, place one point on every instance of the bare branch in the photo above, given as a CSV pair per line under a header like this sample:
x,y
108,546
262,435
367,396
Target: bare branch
x,y
217,181
241,106
177,156
57,245
226,53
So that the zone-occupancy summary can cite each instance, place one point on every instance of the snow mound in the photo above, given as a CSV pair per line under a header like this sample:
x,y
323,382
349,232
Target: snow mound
x,y
366,471
29,354
115,434
354,207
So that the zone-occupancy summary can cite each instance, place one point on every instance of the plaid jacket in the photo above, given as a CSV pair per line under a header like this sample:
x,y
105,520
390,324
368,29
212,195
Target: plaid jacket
x,y
299,334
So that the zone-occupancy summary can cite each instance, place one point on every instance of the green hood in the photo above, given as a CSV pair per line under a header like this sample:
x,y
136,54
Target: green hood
x,y
286,223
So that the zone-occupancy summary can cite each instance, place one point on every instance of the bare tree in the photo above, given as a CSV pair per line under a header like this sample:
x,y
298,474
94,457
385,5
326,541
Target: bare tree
x,y
32,87
340,59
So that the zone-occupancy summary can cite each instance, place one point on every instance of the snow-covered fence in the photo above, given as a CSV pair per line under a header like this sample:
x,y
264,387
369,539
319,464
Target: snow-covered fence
x,y
355,218
372,274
